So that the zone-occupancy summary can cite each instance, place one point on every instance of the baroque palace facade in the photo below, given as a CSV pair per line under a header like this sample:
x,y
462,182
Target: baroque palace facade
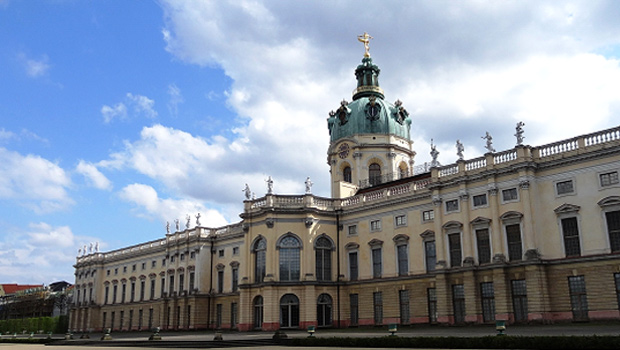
x,y
529,234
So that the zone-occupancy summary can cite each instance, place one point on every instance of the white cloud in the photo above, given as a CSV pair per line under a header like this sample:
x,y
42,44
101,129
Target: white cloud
x,y
141,105
40,253
93,175
168,209
34,182
34,68
118,111
175,99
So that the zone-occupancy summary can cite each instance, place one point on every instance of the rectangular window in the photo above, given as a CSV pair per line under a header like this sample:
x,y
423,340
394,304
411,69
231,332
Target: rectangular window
x,y
218,315
452,205
570,232
192,255
114,292
133,291
124,292
403,261
454,240
400,220
510,194
613,229
564,187
458,303
220,253
375,225
233,315
430,255
432,305
220,281
617,282
154,264
235,279
163,287
376,262
142,290
182,257
484,246
143,266
480,200
352,230
181,283
130,324
192,278
122,319
609,179
163,262
403,301
150,324
107,292
487,293
171,285
112,319
513,237
107,273
578,297
428,215
152,294
377,302
353,270
105,315
519,299
354,309
235,250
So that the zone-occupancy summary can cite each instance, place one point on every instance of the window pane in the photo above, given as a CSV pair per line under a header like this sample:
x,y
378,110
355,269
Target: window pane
x,y
513,235
455,249
403,263
484,246
571,237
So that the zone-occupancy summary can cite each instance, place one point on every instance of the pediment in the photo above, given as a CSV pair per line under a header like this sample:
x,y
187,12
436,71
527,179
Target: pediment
x,y
567,208
480,221
609,201
375,242
428,235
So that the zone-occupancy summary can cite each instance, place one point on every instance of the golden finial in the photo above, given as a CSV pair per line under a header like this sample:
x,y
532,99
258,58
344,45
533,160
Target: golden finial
x,y
366,40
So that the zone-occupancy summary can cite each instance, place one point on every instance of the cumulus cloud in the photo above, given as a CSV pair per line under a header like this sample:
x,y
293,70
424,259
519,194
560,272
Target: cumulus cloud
x,y
167,209
93,175
34,182
40,252
34,67
141,106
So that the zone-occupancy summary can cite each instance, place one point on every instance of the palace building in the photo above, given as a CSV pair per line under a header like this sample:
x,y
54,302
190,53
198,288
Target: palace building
x,y
528,234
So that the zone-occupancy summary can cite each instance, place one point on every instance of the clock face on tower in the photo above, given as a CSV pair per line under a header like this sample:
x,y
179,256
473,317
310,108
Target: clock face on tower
x,y
343,150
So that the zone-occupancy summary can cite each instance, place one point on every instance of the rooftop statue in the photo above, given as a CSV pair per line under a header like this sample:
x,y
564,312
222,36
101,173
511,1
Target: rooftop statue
x,y
519,133
308,185
269,182
248,193
459,149
366,40
489,139
434,154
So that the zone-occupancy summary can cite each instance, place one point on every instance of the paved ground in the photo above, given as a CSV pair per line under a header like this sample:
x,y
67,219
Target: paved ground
x,y
205,337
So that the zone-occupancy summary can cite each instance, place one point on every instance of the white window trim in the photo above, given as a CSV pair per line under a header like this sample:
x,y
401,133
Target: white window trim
x,y
445,207
501,192
379,229
474,207
404,224
479,226
425,211
598,179
555,187
356,229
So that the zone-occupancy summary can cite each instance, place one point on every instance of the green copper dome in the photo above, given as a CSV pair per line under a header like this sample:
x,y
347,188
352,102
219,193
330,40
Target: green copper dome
x,y
368,113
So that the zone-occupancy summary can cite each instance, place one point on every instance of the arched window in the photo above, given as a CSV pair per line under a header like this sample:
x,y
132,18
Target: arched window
x,y
289,258
324,310
258,312
289,311
260,252
402,171
374,174
346,174
323,247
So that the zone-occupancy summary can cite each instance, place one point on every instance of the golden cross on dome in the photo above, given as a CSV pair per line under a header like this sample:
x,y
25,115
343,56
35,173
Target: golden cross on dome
x,y
366,40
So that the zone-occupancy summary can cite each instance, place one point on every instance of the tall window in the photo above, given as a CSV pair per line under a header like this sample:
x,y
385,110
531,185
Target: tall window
x,y
192,279
454,241
578,297
220,281
171,285
289,259
218,315
324,310
403,261
374,174
570,231
353,269
617,282
487,293
258,312
613,228
123,292
519,299
403,303
432,305
354,309
142,286
377,302
289,311
114,290
484,246
346,174
458,303
233,315
376,262
235,279
181,282
133,291
430,255
107,292
260,250
163,287
513,236
323,252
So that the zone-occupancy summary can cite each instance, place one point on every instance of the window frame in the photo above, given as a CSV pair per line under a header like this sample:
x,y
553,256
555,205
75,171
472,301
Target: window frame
x,y
486,201
452,210
613,182
375,225
564,192
428,215
400,220
510,200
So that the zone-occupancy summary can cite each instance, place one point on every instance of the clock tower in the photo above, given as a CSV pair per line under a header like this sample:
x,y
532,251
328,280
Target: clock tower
x,y
370,141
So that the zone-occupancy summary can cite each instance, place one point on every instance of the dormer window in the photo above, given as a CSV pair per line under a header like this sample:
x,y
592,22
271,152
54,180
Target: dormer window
x,y
346,174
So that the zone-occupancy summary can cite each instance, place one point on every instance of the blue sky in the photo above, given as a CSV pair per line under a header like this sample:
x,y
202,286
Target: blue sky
x,y
117,116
